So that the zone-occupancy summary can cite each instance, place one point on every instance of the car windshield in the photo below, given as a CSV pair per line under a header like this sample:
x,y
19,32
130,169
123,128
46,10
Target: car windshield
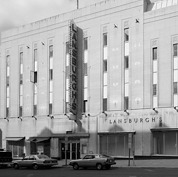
x,y
103,156
43,157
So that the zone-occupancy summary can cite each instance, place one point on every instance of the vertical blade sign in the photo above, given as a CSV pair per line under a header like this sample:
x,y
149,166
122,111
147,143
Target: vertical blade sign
x,y
73,67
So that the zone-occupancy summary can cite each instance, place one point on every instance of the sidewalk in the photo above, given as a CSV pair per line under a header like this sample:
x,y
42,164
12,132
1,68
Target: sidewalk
x,y
151,163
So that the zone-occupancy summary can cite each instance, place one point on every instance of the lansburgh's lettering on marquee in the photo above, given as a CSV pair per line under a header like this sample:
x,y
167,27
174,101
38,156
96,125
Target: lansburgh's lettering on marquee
x,y
135,120
73,67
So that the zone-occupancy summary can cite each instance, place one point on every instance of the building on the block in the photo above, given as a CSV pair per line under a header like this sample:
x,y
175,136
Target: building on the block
x,y
100,79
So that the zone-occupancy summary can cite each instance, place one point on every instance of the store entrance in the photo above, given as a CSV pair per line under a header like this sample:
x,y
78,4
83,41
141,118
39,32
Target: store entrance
x,y
72,148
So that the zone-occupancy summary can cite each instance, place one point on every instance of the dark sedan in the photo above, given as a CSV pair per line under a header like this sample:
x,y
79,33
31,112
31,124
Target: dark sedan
x,y
93,160
34,161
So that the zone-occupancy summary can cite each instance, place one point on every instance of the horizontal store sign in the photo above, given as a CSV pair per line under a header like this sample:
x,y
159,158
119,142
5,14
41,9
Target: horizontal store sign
x,y
135,120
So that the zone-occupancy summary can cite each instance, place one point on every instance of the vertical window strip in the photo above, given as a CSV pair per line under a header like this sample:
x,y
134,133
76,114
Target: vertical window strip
x,y
35,88
105,67
126,68
21,85
85,75
155,76
175,74
67,74
7,84
50,78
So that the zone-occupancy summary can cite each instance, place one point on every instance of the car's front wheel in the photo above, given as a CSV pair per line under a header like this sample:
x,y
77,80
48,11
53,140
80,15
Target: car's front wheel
x,y
75,166
35,166
16,166
99,166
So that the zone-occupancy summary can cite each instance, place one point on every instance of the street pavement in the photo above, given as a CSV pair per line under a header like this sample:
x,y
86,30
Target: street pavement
x,y
149,163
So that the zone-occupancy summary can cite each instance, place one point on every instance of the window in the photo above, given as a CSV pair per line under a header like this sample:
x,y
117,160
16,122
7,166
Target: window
x,y
50,108
85,102
67,75
35,77
104,65
50,51
126,103
154,89
175,50
85,43
105,42
155,53
175,88
126,34
85,75
105,104
51,74
126,63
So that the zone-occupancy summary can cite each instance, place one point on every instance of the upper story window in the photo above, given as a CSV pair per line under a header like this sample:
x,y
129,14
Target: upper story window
x,y
126,34
155,53
175,48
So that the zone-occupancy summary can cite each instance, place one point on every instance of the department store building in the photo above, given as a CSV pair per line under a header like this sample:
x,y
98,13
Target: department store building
x,y
99,79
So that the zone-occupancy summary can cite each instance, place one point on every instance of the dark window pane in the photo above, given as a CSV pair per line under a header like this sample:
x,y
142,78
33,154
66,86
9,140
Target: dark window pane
x,y
51,74
126,63
104,65
20,111
34,109
105,39
126,103
7,112
85,105
7,81
154,89
21,78
7,60
85,43
50,51
175,49
105,104
21,57
155,53
50,108
67,47
126,35
175,88
35,77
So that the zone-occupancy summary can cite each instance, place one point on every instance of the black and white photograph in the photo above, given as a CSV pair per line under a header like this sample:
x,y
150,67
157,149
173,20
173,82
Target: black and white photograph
x,y
89,88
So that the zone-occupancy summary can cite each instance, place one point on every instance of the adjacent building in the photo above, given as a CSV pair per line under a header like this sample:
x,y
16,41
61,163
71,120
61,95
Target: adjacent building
x,y
100,79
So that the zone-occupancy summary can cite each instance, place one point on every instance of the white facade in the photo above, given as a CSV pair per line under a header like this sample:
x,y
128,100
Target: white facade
x,y
126,82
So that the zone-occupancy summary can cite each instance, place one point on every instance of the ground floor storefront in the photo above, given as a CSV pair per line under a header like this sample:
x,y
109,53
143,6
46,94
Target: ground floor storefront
x,y
140,133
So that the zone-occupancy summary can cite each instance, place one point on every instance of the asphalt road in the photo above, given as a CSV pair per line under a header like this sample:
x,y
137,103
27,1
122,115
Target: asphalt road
x,y
69,172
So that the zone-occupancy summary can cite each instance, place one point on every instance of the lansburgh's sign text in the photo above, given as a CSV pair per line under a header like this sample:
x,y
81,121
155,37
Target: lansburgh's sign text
x,y
135,120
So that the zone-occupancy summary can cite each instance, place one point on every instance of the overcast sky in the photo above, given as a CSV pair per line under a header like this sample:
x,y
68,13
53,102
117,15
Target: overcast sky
x,y
19,12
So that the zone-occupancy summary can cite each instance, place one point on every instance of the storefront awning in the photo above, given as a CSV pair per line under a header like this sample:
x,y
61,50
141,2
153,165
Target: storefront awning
x,y
38,139
14,138
116,132
163,129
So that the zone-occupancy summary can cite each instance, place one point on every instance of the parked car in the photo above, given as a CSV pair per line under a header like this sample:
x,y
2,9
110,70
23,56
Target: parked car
x,y
93,160
5,158
34,161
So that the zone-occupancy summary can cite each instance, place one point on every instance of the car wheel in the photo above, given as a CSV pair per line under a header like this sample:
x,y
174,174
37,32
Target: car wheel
x,y
35,167
99,166
75,166
16,166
